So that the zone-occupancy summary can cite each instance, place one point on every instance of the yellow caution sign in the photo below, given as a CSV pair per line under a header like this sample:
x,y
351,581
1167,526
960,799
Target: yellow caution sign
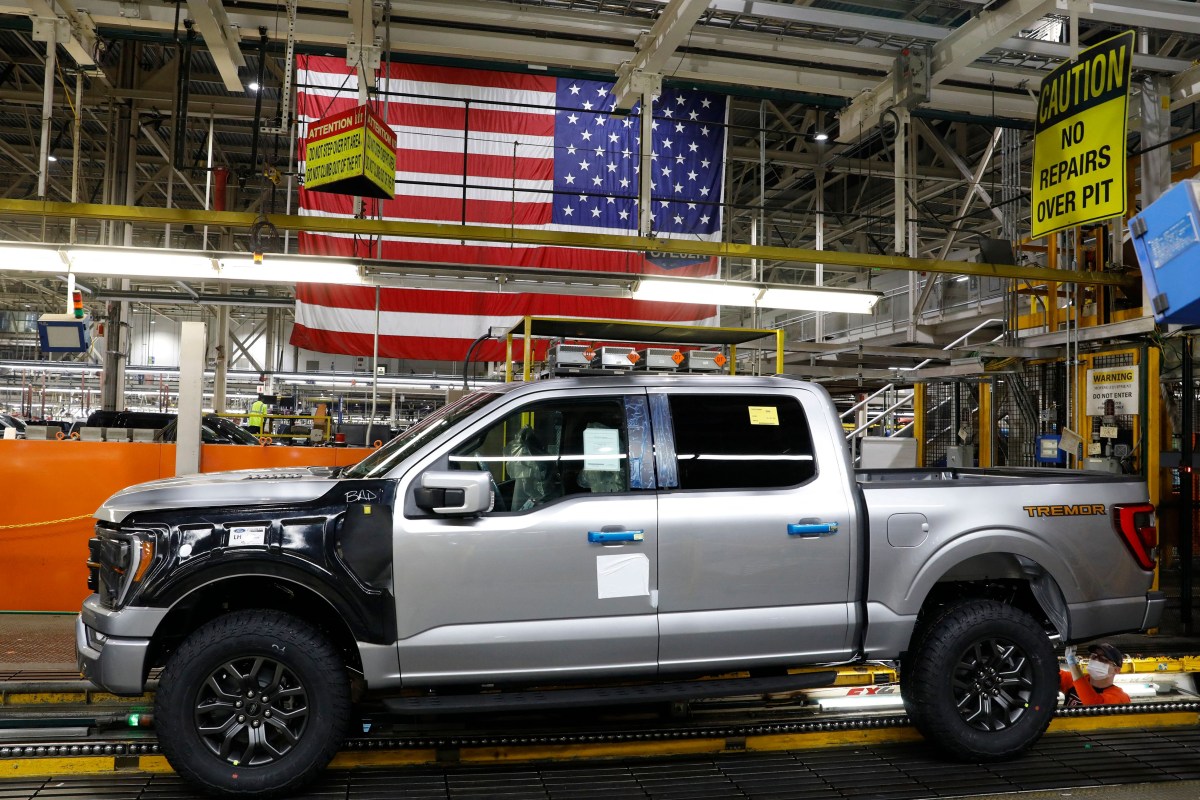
x,y
351,152
1079,138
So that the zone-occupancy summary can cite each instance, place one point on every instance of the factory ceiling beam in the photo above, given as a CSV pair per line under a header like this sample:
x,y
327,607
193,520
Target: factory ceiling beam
x,y
316,25
226,108
674,23
955,50
190,298
702,68
888,27
78,34
1171,15
221,38
479,233
364,45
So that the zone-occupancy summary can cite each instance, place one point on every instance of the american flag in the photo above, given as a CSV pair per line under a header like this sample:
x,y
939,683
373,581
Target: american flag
x,y
537,152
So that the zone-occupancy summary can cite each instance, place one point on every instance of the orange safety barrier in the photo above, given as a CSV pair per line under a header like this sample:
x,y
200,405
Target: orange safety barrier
x,y
53,488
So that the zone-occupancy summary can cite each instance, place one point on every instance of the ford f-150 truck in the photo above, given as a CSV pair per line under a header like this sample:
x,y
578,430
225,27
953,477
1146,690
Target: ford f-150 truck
x,y
578,535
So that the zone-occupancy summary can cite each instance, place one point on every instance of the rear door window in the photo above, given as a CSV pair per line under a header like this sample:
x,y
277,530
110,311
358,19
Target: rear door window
x,y
725,441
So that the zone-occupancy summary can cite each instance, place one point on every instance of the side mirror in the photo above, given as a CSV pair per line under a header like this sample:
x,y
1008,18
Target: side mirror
x,y
457,493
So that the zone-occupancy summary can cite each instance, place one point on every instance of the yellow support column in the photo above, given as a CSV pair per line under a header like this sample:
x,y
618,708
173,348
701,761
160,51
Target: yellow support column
x,y
1052,287
1152,446
527,372
986,424
1080,422
508,358
919,421
779,351
733,359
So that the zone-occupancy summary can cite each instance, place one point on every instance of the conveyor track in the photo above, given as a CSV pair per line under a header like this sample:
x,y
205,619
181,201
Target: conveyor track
x,y
447,740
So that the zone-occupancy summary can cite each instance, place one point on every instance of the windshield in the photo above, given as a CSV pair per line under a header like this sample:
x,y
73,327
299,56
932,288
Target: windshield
x,y
228,430
7,421
382,460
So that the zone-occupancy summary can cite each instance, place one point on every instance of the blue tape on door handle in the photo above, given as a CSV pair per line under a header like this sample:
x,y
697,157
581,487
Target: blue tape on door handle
x,y
810,529
601,537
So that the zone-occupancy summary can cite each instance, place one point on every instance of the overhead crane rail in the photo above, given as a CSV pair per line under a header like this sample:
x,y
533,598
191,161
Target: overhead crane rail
x,y
480,233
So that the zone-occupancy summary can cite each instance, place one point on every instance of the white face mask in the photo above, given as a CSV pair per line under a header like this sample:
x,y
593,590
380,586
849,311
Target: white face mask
x,y
1098,670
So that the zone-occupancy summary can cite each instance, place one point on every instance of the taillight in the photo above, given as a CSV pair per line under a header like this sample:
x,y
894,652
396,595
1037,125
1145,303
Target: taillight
x,y
1134,523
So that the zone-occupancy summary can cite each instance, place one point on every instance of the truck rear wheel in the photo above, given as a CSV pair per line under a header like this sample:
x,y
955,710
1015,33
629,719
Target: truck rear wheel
x,y
253,703
983,681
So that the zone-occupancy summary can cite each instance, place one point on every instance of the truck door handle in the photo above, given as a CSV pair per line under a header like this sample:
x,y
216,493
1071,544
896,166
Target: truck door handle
x,y
604,537
812,528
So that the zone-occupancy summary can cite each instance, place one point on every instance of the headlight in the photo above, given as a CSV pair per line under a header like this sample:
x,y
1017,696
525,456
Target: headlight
x,y
119,560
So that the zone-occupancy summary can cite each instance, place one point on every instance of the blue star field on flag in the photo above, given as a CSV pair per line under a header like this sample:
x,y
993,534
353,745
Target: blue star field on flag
x,y
597,160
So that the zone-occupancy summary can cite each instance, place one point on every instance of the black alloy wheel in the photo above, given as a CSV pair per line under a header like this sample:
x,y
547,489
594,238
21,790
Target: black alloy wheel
x,y
993,684
251,711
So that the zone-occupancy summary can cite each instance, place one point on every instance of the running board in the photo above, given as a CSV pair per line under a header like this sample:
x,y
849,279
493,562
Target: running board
x,y
606,695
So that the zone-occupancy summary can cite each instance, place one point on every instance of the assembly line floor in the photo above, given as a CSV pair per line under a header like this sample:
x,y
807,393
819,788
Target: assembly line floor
x,y
1133,764
1139,760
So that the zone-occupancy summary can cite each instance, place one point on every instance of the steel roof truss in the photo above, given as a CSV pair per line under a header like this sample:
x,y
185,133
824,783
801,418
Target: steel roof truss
x,y
956,50
221,39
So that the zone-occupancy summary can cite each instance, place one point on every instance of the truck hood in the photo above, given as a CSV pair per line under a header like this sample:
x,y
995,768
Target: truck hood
x,y
221,489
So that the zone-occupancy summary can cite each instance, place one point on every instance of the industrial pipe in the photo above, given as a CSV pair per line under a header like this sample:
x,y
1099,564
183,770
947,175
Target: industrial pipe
x,y
181,92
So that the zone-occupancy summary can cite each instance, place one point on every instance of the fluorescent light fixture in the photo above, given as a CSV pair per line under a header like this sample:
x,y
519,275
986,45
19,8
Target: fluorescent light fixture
x,y
960,279
253,86
287,269
723,293
819,299
141,263
31,259
52,158
717,293
821,137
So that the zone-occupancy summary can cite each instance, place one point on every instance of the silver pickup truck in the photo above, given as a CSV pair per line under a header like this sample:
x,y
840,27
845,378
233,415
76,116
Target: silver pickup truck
x,y
584,536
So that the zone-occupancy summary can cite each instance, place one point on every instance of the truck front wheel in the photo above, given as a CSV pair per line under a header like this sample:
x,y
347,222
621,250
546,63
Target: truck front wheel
x,y
983,682
253,703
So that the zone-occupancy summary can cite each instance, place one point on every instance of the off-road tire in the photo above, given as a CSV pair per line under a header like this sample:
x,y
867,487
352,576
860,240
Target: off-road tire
x,y
983,681
299,727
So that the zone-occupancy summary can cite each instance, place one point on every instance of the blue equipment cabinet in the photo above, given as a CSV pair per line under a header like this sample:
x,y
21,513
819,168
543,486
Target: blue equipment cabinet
x,y
1047,450
1166,236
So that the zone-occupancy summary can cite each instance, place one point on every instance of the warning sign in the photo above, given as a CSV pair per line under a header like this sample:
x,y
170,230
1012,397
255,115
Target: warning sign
x,y
1119,384
1079,138
353,152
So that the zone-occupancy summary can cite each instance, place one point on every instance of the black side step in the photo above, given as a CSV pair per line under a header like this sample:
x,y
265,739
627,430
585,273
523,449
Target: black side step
x,y
606,695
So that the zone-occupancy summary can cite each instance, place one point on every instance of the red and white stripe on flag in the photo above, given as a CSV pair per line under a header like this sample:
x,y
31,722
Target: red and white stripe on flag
x,y
497,129
434,325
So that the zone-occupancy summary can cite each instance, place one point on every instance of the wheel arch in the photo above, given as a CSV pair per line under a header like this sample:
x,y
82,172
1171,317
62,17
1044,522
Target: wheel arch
x,y
243,592
968,564
1017,580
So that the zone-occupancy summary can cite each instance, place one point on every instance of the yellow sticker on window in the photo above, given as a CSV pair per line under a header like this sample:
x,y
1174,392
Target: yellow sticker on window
x,y
764,415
